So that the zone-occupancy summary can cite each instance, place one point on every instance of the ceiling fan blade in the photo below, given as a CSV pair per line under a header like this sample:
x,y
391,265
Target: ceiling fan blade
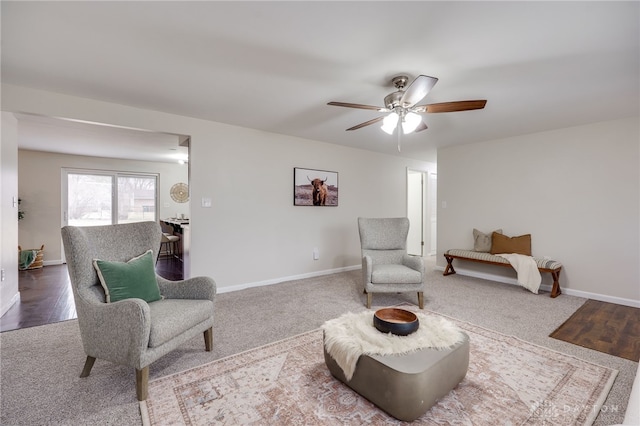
x,y
422,126
360,106
452,106
417,90
366,123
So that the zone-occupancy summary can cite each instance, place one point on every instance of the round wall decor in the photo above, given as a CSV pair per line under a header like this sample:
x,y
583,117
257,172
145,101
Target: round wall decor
x,y
180,192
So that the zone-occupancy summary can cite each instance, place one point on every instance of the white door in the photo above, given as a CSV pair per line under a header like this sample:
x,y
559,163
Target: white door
x,y
431,214
415,212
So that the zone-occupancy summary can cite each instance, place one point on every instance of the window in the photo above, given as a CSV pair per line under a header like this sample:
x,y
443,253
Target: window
x,y
94,197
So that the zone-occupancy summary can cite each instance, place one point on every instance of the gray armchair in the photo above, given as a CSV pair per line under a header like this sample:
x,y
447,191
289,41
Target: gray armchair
x,y
133,332
386,266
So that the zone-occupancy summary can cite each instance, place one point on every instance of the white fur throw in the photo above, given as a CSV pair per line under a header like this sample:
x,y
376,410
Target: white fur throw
x,y
351,335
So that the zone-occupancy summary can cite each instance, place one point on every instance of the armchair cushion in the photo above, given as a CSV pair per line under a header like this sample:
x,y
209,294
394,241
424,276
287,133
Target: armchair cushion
x,y
395,274
127,280
171,317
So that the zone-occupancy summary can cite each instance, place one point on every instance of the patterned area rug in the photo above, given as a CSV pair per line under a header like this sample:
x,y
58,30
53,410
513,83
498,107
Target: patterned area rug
x,y
287,383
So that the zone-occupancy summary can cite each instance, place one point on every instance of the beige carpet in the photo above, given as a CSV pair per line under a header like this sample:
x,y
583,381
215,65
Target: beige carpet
x,y
509,381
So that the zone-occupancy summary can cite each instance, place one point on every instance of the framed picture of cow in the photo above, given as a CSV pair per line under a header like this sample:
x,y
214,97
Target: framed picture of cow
x,y
315,187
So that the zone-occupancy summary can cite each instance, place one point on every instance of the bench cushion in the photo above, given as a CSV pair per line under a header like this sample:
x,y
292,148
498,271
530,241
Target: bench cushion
x,y
542,263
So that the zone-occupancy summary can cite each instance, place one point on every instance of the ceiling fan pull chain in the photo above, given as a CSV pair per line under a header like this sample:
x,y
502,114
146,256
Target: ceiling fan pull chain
x,y
398,131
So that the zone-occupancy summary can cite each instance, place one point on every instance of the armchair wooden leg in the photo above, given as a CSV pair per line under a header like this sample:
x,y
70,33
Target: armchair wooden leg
x,y
208,339
369,298
142,383
88,365
421,299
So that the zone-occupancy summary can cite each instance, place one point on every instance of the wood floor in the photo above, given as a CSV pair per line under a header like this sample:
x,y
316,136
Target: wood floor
x,y
46,296
604,327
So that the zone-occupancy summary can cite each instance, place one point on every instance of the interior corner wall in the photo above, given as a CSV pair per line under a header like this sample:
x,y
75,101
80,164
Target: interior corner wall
x,y
252,233
40,185
8,212
576,190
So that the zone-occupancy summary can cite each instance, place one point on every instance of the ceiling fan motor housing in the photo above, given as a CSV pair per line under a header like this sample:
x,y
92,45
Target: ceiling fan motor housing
x,y
392,100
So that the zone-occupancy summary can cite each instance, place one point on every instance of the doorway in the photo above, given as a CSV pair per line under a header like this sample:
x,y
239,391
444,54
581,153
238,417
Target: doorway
x,y
421,211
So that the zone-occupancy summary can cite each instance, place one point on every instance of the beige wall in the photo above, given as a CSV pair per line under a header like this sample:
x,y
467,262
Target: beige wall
x,y
576,190
8,212
252,234
40,183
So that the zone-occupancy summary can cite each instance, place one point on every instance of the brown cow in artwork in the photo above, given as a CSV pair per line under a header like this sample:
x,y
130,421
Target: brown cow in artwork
x,y
319,192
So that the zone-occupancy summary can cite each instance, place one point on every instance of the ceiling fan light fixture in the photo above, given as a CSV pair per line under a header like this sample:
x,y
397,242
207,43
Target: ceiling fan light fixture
x,y
390,123
410,122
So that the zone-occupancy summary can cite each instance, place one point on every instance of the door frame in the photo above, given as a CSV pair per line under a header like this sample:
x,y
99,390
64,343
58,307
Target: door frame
x,y
427,205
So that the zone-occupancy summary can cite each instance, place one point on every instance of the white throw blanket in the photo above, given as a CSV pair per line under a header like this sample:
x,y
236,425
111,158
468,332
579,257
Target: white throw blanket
x,y
351,335
527,269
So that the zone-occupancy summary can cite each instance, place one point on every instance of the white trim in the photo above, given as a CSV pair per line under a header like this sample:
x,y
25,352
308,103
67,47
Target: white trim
x,y
53,262
570,292
15,299
229,289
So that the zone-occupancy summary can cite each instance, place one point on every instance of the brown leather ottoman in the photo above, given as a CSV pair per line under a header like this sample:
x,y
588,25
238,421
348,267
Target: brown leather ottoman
x,y
407,386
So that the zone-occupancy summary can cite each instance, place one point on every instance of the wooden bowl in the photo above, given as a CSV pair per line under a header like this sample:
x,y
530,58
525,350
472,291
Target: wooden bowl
x,y
395,321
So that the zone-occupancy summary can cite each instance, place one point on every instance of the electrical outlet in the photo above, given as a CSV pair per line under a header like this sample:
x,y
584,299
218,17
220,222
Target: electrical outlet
x,y
316,254
2,275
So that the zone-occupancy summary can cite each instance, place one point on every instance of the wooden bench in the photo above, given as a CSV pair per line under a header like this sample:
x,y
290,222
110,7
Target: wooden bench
x,y
544,265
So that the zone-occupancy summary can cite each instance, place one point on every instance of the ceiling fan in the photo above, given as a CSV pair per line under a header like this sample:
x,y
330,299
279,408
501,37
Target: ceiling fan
x,y
402,107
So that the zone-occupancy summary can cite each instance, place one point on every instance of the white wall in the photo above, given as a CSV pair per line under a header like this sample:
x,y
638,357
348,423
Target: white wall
x,y
252,233
576,190
253,222
40,180
8,212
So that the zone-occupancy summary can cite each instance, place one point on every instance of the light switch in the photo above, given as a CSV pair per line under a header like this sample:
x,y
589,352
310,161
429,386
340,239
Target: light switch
x,y
206,202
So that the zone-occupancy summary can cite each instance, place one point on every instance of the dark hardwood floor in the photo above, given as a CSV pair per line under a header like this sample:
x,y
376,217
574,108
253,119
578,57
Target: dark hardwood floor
x,y
46,296
604,327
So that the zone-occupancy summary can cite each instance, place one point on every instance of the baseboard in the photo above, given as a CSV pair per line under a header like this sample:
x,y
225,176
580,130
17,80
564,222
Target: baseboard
x,y
52,262
228,289
568,291
15,299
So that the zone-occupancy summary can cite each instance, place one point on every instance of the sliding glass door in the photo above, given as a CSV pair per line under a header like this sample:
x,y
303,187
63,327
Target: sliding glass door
x,y
93,197
137,198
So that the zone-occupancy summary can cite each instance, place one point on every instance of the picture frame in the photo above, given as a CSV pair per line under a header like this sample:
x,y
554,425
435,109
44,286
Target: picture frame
x,y
315,188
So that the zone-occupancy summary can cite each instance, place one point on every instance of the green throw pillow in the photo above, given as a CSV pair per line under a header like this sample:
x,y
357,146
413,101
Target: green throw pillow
x,y
127,280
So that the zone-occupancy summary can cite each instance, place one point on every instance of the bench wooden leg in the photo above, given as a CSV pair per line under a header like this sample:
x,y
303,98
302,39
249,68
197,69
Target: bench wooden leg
x,y
555,290
449,269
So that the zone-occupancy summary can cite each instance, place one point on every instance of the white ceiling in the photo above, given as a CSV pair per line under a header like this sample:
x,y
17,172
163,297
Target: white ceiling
x,y
274,66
